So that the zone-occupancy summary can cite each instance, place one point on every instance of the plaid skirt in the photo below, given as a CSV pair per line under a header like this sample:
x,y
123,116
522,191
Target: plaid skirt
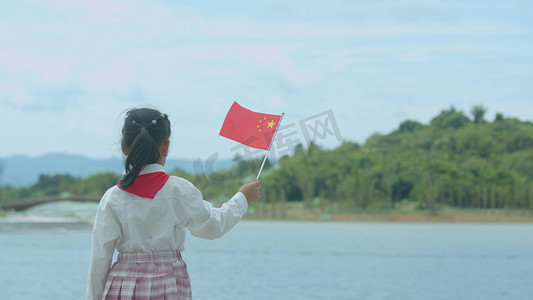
x,y
143,275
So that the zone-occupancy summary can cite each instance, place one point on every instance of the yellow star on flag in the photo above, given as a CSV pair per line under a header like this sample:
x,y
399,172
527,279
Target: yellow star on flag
x,y
271,124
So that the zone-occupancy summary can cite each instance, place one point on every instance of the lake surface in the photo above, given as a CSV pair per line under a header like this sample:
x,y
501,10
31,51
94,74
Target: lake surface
x,y
302,260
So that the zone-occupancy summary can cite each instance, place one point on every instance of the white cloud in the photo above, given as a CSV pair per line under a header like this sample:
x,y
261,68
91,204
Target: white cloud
x,y
47,68
373,63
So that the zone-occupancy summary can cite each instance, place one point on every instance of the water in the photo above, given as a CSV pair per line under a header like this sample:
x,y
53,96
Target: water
x,y
303,260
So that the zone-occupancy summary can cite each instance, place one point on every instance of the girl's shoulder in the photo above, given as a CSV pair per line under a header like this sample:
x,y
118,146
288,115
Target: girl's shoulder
x,y
180,186
110,196
113,192
180,182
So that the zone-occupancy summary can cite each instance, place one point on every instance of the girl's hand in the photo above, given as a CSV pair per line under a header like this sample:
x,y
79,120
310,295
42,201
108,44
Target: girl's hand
x,y
251,190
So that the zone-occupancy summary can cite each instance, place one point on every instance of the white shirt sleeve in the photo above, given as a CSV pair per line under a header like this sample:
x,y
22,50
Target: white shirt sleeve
x,y
106,232
208,222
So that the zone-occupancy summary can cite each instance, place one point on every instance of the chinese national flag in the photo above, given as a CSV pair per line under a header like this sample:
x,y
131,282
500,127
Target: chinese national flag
x,y
249,128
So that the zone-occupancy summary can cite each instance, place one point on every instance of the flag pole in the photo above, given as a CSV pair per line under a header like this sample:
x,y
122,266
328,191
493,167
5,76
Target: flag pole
x,y
268,151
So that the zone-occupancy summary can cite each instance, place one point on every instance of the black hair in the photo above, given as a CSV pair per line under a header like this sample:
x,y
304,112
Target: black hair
x,y
144,131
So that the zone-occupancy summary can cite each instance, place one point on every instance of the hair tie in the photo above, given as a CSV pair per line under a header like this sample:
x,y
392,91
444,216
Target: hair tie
x,y
154,121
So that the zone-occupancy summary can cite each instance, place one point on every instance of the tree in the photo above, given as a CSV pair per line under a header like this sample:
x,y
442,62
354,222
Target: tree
x,y
478,112
454,162
410,126
450,119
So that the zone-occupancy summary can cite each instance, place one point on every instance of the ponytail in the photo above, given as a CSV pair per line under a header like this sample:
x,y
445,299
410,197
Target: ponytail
x,y
143,133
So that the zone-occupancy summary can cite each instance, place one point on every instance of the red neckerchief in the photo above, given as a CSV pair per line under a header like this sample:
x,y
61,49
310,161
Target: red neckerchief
x,y
148,185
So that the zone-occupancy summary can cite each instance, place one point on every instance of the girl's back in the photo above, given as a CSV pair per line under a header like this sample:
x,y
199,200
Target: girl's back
x,y
145,216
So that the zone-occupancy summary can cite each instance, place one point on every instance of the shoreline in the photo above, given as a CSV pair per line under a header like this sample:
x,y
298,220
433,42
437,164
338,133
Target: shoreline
x,y
401,218
297,212
8,223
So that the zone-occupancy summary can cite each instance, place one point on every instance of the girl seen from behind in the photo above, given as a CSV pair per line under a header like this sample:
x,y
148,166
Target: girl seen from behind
x,y
144,218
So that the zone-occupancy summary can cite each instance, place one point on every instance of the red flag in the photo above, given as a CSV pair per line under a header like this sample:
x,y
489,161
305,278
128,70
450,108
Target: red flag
x,y
249,128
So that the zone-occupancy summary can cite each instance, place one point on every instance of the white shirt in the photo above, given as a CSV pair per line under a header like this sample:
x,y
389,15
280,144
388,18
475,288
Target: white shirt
x,y
130,223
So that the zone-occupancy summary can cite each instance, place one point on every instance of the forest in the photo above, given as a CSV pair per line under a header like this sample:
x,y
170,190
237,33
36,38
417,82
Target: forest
x,y
457,160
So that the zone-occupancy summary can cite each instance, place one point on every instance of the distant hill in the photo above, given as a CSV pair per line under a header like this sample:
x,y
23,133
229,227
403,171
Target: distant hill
x,y
20,171
452,162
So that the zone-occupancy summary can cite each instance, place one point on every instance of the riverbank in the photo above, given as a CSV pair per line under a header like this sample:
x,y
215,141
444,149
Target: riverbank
x,y
301,212
21,223
298,211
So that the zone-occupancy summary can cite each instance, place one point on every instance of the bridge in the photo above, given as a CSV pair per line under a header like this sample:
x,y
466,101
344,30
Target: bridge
x,y
27,203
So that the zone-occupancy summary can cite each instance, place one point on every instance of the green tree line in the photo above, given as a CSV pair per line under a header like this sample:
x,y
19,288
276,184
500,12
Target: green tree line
x,y
455,160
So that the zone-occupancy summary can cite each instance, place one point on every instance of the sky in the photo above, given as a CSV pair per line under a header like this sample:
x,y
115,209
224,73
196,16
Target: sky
x,y
339,70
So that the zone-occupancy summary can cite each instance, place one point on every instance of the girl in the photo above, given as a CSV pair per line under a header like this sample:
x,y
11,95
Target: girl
x,y
144,217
